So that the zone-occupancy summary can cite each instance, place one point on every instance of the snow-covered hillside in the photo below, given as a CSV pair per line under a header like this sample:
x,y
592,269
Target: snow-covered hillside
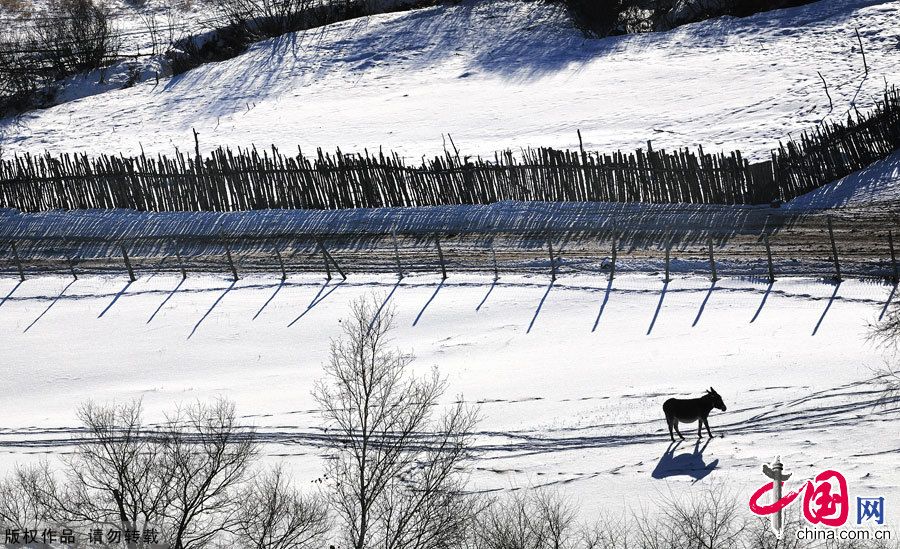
x,y
496,75
570,378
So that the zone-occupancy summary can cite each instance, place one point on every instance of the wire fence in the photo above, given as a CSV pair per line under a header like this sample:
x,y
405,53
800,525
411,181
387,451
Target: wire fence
x,y
757,244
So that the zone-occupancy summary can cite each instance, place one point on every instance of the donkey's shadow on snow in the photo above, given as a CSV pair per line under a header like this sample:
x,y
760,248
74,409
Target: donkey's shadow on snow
x,y
689,463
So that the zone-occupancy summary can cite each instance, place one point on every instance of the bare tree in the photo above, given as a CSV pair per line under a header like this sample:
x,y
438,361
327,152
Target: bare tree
x,y
152,26
608,532
886,334
394,468
708,519
116,475
540,519
758,534
182,478
208,456
21,504
80,38
22,72
113,478
274,515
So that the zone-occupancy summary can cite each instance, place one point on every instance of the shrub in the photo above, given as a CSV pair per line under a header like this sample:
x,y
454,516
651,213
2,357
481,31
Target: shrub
x,y
596,17
79,38
24,77
266,18
604,18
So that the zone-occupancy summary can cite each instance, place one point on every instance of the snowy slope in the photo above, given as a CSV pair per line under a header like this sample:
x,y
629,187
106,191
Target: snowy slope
x,y
875,184
570,378
497,75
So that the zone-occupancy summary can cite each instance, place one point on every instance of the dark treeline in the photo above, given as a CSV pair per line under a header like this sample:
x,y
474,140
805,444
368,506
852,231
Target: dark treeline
x,y
249,179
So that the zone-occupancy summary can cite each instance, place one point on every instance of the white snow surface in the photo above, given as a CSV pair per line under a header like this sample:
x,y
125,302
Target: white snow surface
x,y
570,380
498,75
877,183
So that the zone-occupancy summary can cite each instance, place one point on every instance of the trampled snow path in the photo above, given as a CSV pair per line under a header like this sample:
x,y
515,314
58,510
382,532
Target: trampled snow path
x,y
495,76
570,378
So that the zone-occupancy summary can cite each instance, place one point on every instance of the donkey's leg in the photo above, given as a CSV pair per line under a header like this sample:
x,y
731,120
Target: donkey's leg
x,y
669,423
675,423
700,427
706,421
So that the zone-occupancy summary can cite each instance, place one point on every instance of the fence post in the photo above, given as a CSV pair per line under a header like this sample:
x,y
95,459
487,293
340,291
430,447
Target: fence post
x,y
494,258
180,261
834,253
552,262
437,240
72,267
281,264
769,257
862,51
612,269
127,262
196,144
15,252
397,253
325,260
230,260
668,249
712,260
893,256
331,259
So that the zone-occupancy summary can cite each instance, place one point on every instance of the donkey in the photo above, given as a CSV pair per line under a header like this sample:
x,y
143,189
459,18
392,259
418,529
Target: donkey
x,y
689,410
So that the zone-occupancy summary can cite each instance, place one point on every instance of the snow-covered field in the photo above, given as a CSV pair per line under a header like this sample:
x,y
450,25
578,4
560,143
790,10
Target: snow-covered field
x,y
570,378
498,75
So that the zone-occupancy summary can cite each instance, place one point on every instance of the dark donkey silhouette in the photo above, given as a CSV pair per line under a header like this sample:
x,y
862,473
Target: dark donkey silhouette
x,y
689,410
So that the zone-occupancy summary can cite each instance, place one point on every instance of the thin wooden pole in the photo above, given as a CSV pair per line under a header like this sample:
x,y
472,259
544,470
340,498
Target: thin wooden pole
x,y
769,257
196,144
494,258
552,262
331,259
893,257
862,51
15,252
437,240
180,261
712,260
612,269
127,263
834,252
234,273
668,250
72,267
281,264
824,83
397,247
325,260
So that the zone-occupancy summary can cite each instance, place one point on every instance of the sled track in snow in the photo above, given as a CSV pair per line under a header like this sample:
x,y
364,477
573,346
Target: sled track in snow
x,y
851,405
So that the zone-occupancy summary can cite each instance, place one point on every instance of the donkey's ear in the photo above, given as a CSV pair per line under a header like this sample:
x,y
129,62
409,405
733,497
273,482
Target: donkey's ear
x,y
711,390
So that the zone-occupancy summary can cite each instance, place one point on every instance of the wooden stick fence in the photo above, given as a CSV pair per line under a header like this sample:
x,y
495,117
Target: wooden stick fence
x,y
836,150
249,179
